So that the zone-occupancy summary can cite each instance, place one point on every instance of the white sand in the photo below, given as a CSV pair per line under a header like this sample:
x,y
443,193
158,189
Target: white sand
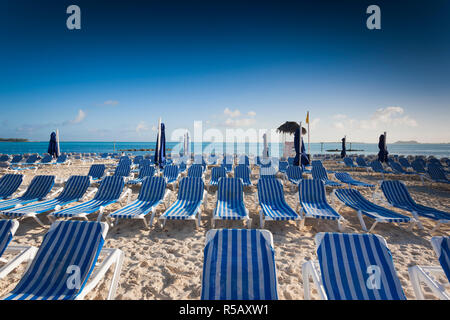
x,y
167,263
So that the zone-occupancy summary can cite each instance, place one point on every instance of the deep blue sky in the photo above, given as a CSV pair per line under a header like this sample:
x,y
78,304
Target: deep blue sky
x,y
217,61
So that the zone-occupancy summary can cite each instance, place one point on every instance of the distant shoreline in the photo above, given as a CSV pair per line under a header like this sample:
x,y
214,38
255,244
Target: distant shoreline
x,y
13,140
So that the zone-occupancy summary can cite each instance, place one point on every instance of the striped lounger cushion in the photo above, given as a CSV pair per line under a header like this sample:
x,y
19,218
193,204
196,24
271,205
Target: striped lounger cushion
x,y
314,202
68,246
96,171
239,265
195,170
216,174
151,194
190,196
356,201
444,254
294,174
9,183
230,200
320,173
272,202
346,178
108,192
398,196
39,187
171,173
349,263
5,234
243,172
74,189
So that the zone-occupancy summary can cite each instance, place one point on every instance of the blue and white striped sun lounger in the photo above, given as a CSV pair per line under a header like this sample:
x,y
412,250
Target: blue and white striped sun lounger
x,y
152,193
108,192
228,166
216,174
362,163
74,189
320,173
437,174
378,167
404,162
313,202
21,253
267,172
349,162
282,166
353,199
195,171
397,168
46,159
9,184
16,160
430,274
344,177
294,174
62,159
66,260
352,267
144,172
39,187
230,202
97,171
171,173
191,195
122,170
272,202
418,167
243,172
239,265
398,196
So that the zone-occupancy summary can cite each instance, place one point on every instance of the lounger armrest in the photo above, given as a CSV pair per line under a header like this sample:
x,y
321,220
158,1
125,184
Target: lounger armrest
x,y
88,195
124,194
25,253
56,192
310,270
204,200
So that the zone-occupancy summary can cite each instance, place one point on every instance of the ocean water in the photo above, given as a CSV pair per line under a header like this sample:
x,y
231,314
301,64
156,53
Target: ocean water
x,y
275,149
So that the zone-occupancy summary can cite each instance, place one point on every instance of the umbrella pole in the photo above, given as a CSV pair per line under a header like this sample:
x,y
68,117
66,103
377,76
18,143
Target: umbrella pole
x,y
158,147
300,146
58,152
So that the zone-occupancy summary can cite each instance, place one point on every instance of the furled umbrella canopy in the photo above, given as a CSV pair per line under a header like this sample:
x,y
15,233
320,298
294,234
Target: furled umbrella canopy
x,y
160,150
53,147
383,153
344,150
300,154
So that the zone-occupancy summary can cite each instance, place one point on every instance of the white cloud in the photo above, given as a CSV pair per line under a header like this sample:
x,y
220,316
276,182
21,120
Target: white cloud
x,y
141,126
111,102
232,114
80,117
251,113
381,118
244,122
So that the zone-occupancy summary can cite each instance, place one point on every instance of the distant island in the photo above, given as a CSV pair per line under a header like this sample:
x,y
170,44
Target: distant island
x,y
13,140
406,142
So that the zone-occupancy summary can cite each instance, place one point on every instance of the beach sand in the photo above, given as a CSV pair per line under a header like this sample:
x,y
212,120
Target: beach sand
x,y
167,263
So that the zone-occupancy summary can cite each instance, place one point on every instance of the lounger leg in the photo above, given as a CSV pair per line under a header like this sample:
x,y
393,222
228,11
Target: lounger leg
x,y
261,219
339,223
249,223
100,214
199,214
152,216
116,276
39,221
416,216
213,222
373,226
361,221
436,227
415,281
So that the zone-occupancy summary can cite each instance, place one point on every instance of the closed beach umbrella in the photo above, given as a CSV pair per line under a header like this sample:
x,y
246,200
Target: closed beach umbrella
x,y
300,153
383,153
53,148
343,152
266,147
160,150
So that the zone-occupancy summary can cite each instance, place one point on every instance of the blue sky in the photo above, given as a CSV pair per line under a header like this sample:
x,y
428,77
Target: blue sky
x,y
230,64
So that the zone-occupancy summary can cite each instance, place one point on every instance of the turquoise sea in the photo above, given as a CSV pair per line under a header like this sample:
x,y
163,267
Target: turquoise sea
x,y
437,150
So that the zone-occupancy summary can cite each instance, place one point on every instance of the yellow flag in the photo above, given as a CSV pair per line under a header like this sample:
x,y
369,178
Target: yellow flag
x,y
307,117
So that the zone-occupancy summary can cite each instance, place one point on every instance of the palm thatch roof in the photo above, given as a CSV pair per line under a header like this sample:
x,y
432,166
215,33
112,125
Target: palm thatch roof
x,y
290,127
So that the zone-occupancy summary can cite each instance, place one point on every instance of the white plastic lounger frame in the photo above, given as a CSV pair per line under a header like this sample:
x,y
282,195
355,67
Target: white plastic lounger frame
x,y
22,254
428,275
